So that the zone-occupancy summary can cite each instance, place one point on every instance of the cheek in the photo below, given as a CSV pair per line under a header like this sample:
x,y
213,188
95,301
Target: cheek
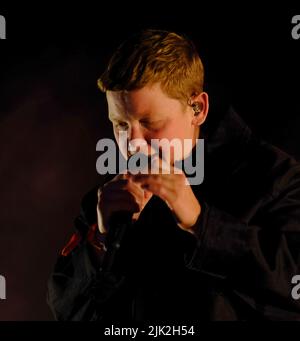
x,y
179,131
176,130
122,144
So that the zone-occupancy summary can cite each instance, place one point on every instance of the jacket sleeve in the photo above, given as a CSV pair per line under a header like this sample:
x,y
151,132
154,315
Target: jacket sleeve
x,y
258,258
79,289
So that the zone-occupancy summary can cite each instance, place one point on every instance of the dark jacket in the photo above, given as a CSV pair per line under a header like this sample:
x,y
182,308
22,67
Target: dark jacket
x,y
239,267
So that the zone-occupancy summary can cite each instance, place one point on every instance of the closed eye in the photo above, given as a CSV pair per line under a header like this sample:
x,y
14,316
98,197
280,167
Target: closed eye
x,y
121,125
152,124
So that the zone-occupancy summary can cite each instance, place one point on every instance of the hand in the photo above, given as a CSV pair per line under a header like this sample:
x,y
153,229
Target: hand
x,y
176,192
120,194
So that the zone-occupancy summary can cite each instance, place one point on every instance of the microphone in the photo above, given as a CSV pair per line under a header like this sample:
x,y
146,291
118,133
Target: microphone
x,y
119,223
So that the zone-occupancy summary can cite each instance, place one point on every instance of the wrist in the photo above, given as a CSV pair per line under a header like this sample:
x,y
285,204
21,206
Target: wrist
x,y
191,226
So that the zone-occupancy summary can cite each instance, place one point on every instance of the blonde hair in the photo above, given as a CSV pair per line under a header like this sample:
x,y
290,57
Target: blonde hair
x,y
155,56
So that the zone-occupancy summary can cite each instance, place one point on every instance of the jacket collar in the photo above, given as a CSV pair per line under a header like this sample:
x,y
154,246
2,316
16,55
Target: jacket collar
x,y
231,131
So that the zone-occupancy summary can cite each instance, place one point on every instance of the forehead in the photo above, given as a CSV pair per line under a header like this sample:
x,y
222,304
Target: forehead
x,y
146,101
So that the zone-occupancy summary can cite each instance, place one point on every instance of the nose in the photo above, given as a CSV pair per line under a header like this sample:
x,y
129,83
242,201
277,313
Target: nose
x,y
136,140
135,132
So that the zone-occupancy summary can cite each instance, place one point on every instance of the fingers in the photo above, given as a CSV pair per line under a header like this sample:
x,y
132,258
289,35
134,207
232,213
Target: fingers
x,y
124,185
115,201
116,197
120,194
166,186
123,201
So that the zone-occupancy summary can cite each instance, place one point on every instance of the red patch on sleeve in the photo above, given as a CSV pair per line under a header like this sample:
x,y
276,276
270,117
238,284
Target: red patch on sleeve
x,y
73,242
92,232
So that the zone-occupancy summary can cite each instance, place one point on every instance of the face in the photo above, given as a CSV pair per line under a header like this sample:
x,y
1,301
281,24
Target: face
x,y
148,113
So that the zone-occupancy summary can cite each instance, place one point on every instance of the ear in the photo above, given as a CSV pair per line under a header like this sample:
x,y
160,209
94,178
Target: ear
x,y
200,106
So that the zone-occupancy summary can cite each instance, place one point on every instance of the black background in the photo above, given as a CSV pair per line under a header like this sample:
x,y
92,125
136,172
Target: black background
x,y
51,113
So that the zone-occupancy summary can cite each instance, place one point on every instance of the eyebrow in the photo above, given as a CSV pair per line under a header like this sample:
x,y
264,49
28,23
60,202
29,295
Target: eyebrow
x,y
155,116
118,117
142,117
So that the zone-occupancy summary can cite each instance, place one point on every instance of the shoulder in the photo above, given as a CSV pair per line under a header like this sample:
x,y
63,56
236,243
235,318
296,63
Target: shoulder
x,y
282,168
269,167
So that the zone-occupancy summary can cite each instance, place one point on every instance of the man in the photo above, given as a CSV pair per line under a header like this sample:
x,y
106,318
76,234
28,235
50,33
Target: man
x,y
225,249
